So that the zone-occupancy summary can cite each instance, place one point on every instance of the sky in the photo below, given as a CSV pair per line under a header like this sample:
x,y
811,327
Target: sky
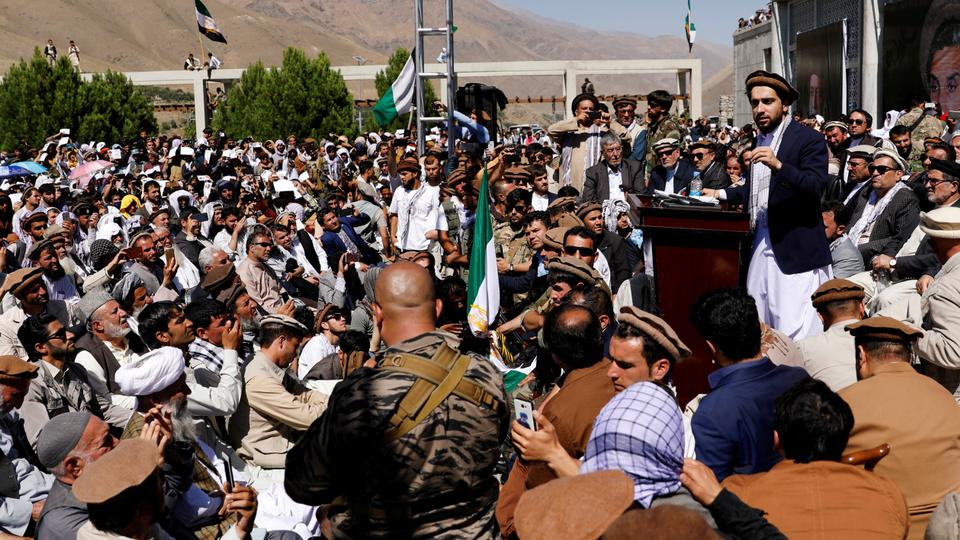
x,y
715,19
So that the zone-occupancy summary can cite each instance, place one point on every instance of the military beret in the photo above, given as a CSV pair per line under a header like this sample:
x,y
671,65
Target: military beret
x,y
518,172
21,280
588,207
949,167
38,248
13,369
560,202
835,124
575,267
569,220
772,80
624,100
60,436
892,154
126,466
284,320
862,151
835,290
668,142
941,223
219,278
409,164
156,213
884,329
656,328
36,215
554,238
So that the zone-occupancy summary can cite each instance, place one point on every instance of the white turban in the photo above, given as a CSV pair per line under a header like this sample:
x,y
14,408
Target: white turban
x,y
151,373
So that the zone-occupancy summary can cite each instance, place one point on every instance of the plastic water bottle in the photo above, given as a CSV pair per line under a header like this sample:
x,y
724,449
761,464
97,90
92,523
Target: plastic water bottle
x,y
696,185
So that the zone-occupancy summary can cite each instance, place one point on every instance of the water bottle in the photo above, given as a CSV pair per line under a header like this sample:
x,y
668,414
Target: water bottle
x,y
696,185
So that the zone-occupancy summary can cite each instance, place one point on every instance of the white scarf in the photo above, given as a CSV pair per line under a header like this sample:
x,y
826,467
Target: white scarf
x,y
760,179
872,211
589,160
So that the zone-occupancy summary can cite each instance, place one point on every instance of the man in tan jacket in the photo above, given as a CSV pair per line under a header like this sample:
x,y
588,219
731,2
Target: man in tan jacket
x,y
276,408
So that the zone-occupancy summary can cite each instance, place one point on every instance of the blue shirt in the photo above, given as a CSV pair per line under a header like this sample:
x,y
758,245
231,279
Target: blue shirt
x,y
733,426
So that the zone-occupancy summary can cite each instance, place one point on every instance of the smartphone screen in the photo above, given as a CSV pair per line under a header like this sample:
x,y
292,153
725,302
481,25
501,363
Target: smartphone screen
x,y
169,253
523,413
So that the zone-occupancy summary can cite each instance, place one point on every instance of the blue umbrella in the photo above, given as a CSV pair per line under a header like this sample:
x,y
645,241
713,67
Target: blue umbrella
x,y
11,171
32,166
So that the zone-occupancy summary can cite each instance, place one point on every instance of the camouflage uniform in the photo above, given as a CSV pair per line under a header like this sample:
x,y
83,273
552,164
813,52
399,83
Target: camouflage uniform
x,y
666,128
930,126
511,244
436,481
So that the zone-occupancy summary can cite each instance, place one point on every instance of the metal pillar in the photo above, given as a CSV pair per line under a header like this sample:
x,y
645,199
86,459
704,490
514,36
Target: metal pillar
x,y
423,77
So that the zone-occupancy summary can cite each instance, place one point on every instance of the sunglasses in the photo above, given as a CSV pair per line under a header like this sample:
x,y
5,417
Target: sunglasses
x,y
519,208
880,169
263,244
857,122
698,155
60,334
335,316
573,250
665,153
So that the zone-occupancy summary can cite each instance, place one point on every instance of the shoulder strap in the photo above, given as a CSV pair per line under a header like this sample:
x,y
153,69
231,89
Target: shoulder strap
x,y
916,122
437,378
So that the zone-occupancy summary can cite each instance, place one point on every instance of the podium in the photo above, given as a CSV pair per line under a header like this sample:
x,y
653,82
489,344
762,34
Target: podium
x,y
695,250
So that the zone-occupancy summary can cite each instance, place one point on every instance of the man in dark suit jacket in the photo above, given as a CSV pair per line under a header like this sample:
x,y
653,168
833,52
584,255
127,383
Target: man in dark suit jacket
x,y
711,162
596,186
788,172
672,167
898,218
332,242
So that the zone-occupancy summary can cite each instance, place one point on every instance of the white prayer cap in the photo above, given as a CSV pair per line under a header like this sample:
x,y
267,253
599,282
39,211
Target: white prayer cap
x,y
43,180
108,231
155,371
100,146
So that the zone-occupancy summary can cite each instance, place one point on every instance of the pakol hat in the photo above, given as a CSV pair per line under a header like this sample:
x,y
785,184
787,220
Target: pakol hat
x,y
656,328
554,237
624,100
14,369
940,223
586,208
949,167
556,510
219,278
667,142
884,152
518,173
864,151
836,290
284,320
772,80
836,124
884,329
21,280
575,267
126,466
409,164
560,202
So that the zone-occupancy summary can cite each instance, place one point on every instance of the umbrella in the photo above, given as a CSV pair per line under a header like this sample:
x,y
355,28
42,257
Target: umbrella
x,y
82,173
32,166
11,171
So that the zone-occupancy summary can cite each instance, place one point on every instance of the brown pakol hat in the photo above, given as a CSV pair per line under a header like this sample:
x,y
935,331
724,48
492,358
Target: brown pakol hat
x,y
13,368
586,208
835,290
560,202
219,278
884,329
656,328
556,510
772,80
554,238
21,280
409,164
126,466
575,267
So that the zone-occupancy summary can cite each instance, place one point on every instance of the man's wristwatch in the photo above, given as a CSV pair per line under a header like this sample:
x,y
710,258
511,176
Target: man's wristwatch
x,y
893,262
510,268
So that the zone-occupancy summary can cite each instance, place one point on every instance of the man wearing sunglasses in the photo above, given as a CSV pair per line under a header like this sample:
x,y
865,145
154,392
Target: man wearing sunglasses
x,y
712,172
859,124
674,172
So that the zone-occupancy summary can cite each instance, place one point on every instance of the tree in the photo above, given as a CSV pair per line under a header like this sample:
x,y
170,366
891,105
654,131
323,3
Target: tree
x,y
303,97
385,78
37,100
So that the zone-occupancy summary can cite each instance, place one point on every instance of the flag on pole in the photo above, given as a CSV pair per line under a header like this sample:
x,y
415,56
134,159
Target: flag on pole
x,y
690,28
206,24
483,290
400,96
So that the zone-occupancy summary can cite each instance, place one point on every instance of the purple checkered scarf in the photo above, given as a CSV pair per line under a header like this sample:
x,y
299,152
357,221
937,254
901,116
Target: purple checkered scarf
x,y
640,432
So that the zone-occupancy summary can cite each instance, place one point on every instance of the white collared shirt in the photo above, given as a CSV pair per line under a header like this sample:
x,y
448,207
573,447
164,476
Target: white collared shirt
x,y
616,183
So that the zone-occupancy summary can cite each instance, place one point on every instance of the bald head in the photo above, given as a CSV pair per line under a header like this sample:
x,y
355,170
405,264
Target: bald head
x,y
572,333
404,285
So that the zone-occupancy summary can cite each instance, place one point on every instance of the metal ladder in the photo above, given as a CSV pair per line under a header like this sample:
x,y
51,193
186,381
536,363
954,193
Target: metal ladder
x,y
423,77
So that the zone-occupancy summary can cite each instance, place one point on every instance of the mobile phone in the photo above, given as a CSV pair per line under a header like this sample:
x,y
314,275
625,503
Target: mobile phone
x,y
168,253
228,473
134,252
523,413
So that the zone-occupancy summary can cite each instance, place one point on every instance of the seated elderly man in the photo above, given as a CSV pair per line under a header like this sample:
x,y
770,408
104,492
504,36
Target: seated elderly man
x,y
276,408
811,494
30,297
893,404
23,484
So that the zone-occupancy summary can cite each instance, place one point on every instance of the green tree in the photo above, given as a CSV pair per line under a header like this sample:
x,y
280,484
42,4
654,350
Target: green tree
x,y
36,100
385,78
303,97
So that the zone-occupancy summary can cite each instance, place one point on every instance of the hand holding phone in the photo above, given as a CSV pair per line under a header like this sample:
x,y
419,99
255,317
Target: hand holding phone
x,y
523,413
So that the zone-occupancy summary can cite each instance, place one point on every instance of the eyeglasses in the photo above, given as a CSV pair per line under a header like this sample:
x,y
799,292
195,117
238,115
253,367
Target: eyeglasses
x,y
698,155
932,181
880,169
585,251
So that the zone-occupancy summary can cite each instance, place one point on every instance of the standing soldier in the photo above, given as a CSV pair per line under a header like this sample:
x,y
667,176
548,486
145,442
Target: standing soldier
x,y
659,124
423,469
922,126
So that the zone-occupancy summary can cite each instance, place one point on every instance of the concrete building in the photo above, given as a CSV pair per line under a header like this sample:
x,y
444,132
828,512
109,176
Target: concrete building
x,y
772,46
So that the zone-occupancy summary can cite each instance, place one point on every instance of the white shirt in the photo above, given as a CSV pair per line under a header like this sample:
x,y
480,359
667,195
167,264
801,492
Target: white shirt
x,y
98,379
602,267
616,184
34,484
417,212
668,186
539,203
318,348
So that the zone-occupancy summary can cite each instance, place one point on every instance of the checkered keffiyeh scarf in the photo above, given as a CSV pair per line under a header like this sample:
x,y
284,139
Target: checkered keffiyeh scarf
x,y
639,432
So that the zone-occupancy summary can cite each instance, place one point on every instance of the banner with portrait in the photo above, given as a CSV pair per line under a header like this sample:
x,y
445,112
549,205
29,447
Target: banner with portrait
x,y
821,71
921,54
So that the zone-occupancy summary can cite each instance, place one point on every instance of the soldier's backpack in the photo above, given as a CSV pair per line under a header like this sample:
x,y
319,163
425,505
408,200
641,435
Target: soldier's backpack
x,y
437,378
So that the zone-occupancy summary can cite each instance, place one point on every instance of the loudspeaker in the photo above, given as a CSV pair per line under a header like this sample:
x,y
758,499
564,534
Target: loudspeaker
x,y
486,100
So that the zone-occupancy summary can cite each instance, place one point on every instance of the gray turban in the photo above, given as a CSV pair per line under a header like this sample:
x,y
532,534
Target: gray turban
x,y
60,436
125,287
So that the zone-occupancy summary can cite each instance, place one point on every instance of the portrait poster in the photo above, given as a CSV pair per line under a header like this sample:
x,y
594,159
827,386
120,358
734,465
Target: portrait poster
x,y
821,71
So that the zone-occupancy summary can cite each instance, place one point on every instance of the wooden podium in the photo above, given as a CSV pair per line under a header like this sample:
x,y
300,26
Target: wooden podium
x,y
695,250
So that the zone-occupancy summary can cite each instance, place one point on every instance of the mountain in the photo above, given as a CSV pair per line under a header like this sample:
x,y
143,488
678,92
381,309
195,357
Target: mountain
x,y
158,34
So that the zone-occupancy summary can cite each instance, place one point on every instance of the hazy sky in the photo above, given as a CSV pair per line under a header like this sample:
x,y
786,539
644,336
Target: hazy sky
x,y
715,19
